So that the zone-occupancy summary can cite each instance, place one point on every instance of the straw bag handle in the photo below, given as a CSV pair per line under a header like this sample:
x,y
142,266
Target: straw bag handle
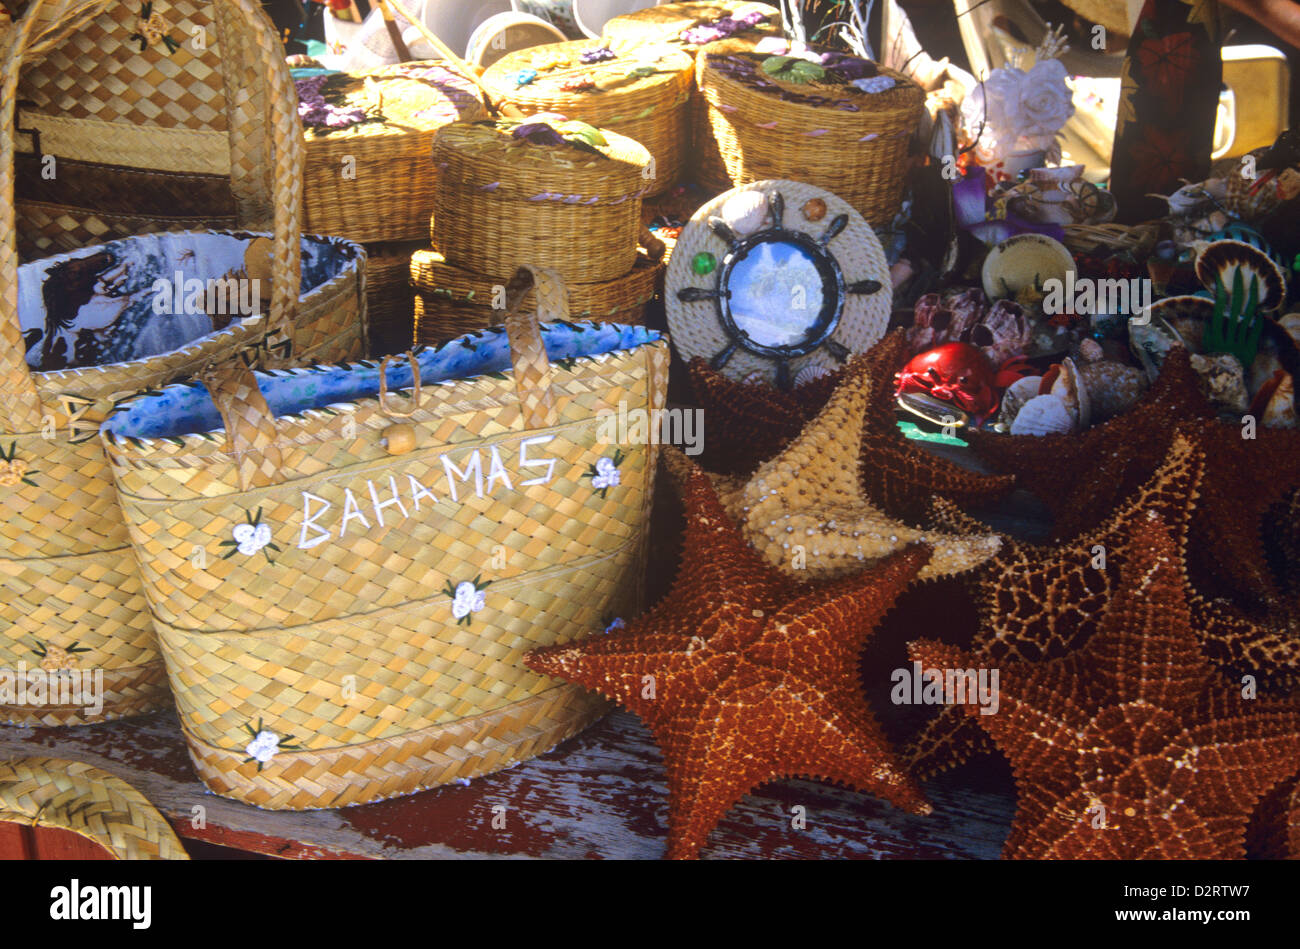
x,y
532,367
251,437
21,409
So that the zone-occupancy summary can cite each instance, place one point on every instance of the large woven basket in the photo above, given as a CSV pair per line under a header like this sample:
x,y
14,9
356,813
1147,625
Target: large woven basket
x,y
828,134
378,563
668,22
374,181
76,797
501,199
73,599
73,605
450,302
642,92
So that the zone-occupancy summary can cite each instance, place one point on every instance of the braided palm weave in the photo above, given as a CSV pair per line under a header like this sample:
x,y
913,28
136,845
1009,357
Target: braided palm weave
x,y
72,795
347,650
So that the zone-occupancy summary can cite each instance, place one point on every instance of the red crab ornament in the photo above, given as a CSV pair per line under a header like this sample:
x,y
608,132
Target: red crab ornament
x,y
953,373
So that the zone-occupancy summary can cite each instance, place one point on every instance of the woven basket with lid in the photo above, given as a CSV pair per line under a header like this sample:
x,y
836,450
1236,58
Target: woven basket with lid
x,y
825,132
450,301
643,92
503,198
388,191
667,23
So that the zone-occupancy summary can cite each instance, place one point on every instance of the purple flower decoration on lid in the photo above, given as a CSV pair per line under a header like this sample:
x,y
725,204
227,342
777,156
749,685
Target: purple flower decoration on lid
x,y
848,67
539,133
317,113
602,54
720,28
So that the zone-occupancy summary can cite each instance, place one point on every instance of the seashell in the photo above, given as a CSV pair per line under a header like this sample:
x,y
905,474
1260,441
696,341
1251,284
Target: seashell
x,y
746,212
814,209
1267,362
1173,321
809,373
1224,381
1090,350
1113,388
1015,396
1070,388
756,378
1043,415
1223,259
1026,260
1240,203
1274,405
1004,332
944,319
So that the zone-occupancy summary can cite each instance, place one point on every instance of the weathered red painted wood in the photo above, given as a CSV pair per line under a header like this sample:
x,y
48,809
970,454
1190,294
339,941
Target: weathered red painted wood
x,y
15,841
56,843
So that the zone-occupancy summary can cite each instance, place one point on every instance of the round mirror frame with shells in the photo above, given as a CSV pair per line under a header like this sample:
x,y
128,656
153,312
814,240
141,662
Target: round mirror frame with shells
x,y
825,233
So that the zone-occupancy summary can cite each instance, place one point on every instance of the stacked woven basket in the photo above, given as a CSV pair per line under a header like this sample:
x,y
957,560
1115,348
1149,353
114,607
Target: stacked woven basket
x,y
563,195
844,125
637,90
368,175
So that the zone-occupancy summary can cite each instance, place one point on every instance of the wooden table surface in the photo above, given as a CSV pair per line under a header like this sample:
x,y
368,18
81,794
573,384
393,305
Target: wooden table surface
x,y
599,795
602,794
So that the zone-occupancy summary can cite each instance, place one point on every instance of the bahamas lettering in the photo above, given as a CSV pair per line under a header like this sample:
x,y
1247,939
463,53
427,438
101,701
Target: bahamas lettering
x,y
385,503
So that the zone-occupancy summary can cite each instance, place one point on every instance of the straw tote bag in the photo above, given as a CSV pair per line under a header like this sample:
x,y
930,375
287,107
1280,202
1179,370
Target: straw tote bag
x,y
376,564
76,643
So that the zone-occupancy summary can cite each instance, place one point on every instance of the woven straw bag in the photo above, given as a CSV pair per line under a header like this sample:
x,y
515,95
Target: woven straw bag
x,y
377,564
72,597
642,92
501,199
74,796
834,136
450,302
374,181
174,121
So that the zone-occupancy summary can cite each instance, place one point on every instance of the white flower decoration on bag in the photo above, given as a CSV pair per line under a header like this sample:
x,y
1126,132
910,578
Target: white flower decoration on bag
x,y
250,538
263,747
266,744
1017,110
607,475
467,598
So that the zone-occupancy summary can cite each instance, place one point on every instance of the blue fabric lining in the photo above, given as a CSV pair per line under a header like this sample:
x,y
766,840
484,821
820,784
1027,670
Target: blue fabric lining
x,y
186,409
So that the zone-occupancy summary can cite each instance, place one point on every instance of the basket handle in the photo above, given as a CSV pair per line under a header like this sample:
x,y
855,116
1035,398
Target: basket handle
x,y
532,367
251,437
285,142
22,410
